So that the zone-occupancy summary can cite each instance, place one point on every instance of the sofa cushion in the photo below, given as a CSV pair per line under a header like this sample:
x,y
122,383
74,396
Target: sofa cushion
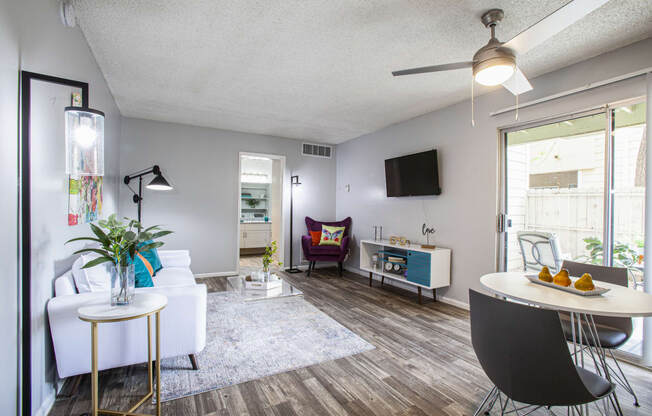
x,y
93,279
174,276
65,284
174,258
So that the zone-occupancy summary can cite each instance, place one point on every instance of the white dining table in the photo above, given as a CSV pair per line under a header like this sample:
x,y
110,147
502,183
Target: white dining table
x,y
619,301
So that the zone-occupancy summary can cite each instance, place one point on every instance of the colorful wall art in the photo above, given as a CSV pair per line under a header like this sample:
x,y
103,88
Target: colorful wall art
x,y
85,200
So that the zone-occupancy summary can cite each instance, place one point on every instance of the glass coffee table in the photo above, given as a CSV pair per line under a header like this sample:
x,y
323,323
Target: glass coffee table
x,y
237,284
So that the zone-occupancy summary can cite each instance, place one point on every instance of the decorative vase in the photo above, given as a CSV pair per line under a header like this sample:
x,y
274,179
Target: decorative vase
x,y
123,284
267,275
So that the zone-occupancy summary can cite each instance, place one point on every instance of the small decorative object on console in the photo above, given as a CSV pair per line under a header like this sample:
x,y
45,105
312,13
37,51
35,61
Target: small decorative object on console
x,y
427,232
402,241
378,232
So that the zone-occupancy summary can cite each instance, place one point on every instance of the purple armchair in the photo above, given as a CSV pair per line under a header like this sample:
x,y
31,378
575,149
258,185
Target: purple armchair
x,y
325,253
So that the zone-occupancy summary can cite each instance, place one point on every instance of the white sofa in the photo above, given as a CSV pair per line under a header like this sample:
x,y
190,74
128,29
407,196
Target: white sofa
x,y
183,321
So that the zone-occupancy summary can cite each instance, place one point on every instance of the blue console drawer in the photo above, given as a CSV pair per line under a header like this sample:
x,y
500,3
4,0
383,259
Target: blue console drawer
x,y
418,268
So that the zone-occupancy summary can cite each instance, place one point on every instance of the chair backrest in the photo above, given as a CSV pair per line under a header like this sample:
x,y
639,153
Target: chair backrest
x,y
314,225
614,275
539,249
523,351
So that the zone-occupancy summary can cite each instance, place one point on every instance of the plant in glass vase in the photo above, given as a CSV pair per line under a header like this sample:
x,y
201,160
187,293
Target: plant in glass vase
x,y
118,242
269,259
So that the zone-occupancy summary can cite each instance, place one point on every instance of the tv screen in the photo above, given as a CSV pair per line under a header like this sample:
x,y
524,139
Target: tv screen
x,y
412,175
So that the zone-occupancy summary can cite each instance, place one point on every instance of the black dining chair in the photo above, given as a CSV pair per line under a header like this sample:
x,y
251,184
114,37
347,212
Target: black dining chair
x,y
523,351
612,331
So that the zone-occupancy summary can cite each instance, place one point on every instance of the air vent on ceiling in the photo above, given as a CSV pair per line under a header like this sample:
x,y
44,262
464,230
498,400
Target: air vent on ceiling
x,y
316,150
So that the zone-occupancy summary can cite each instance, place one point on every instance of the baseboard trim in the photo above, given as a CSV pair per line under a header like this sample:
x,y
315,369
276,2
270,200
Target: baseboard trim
x,y
215,274
426,294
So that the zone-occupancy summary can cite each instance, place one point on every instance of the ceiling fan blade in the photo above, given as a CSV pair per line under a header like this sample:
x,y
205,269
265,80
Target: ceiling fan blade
x,y
517,84
552,24
434,68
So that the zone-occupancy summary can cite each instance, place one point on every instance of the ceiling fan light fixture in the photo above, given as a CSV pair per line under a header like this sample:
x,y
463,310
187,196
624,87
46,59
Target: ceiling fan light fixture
x,y
494,71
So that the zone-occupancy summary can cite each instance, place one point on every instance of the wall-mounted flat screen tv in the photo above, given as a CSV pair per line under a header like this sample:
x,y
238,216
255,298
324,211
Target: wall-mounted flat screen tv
x,y
412,175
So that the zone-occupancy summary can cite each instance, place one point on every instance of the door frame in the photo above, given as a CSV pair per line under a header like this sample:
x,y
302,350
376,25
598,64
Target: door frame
x,y
502,234
25,225
281,242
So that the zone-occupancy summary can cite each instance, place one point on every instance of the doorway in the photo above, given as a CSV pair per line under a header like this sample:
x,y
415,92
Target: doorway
x,y
581,179
260,208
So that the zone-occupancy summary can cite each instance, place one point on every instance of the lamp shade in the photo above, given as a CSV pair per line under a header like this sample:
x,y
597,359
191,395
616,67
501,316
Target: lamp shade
x,y
495,70
84,141
159,184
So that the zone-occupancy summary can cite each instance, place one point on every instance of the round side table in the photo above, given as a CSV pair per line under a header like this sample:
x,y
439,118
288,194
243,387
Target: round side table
x,y
143,305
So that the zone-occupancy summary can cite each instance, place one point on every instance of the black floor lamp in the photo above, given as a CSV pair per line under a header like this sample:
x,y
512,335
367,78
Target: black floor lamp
x,y
294,181
157,184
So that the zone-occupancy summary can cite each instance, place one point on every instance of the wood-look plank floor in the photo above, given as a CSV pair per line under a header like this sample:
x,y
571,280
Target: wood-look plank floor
x,y
423,364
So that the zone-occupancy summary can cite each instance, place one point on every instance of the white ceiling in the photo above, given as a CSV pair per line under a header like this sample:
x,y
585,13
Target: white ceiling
x,y
319,70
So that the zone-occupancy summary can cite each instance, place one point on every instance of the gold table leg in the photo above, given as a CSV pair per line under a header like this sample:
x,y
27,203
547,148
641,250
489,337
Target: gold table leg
x,y
158,363
94,367
94,372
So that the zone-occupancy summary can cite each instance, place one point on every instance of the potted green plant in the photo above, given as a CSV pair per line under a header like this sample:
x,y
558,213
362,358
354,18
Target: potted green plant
x,y
253,202
268,260
118,244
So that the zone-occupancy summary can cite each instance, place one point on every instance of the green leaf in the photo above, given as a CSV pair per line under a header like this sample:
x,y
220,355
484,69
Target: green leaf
x,y
150,246
161,234
97,261
93,250
130,236
100,234
83,238
153,227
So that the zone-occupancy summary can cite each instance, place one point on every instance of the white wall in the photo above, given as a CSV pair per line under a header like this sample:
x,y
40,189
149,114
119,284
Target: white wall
x,y
46,46
465,213
9,50
202,165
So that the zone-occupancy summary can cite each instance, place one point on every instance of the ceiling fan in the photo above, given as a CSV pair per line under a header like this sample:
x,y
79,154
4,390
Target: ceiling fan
x,y
495,63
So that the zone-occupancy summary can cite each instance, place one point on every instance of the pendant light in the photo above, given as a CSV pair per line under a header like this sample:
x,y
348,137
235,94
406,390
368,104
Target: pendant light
x,y
84,141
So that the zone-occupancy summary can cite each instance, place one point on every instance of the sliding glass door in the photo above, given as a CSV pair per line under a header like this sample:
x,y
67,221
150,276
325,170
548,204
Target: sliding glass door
x,y
555,185
574,188
628,202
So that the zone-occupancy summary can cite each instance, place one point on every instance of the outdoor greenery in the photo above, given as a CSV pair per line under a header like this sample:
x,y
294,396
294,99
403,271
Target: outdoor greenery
x,y
268,256
119,241
623,254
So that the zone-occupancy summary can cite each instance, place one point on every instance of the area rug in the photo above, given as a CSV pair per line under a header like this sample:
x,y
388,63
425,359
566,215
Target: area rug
x,y
250,340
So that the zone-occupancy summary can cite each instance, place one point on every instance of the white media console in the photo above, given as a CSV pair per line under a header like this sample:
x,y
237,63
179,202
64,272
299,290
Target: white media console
x,y
420,267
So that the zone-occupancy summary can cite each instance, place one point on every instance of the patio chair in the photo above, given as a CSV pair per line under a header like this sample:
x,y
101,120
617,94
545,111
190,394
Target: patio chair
x,y
539,249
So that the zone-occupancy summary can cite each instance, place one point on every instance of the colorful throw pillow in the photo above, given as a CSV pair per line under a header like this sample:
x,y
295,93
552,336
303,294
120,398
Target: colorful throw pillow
x,y
146,264
143,271
316,237
151,256
331,236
